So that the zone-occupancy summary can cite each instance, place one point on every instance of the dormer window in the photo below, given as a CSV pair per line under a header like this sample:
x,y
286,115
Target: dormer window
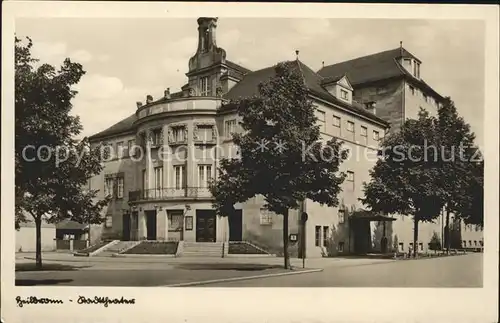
x,y
416,69
344,95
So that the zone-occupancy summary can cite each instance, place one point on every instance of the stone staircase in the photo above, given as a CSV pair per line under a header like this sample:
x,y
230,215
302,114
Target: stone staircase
x,y
116,247
203,249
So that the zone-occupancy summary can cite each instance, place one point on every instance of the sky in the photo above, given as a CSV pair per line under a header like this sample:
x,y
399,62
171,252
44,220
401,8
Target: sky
x,y
126,59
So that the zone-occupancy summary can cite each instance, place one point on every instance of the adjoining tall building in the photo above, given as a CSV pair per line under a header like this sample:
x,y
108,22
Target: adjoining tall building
x,y
392,81
163,193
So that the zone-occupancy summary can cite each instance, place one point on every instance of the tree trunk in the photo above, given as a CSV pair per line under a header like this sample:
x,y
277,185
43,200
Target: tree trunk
x,y
286,257
38,248
415,237
448,231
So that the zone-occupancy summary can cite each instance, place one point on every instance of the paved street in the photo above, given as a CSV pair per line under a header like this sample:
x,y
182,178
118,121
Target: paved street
x,y
61,269
456,271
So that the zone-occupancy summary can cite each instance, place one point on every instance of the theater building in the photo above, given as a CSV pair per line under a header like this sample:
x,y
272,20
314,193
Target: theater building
x,y
160,192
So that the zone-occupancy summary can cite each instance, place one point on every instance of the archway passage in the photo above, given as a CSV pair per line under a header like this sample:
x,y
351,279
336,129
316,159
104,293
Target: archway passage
x,y
360,232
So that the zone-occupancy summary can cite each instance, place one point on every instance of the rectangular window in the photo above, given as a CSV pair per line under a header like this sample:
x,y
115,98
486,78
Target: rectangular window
x,y
180,176
179,134
175,221
350,180
205,133
376,135
420,246
109,221
325,236
144,180
229,127
130,145
464,244
317,236
364,131
475,243
341,216
350,126
108,151
401,247
344,95
205,86
108,187
320,115
470,243
120,149
266,217
336,121
157,140
119,187
204,175
341,246
158,178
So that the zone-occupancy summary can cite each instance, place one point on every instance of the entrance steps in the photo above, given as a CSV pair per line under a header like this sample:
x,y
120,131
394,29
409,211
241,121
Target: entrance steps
x,y
204,249
116,247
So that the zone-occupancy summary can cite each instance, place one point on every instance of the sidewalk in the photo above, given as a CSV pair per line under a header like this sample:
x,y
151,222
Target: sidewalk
x,y
152,261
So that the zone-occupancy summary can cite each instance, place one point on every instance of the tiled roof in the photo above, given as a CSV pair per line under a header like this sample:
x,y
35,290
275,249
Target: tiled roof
x,y
249,86
70,225
375,67
369,68
237,67
122,126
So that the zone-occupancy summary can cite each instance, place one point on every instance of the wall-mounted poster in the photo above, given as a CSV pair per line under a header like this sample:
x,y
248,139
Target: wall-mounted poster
x,y
189,223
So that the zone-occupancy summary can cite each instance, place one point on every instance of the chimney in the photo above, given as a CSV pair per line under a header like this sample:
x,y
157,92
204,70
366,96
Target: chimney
x,y
323,63
167,93
149,99
370,106
401,48
139,104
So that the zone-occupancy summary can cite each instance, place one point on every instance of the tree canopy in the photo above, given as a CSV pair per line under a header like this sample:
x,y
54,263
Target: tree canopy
x,y
52,166
282,156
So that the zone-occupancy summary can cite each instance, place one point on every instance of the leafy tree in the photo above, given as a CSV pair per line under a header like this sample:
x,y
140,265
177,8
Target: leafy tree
x,y
281,155
435,243
459,159
52,168
403,181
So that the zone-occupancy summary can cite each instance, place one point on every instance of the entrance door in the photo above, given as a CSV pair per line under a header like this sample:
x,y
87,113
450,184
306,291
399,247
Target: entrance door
x,y
151,225
236,226
126,227
205,225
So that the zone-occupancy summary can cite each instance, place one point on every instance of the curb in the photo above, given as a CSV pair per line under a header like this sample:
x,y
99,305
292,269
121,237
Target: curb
x,y
137,255
213,281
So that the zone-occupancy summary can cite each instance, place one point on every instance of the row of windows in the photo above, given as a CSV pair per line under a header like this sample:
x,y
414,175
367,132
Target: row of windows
x,y
427,99
473,227
205,175
476,244
175,220
350,125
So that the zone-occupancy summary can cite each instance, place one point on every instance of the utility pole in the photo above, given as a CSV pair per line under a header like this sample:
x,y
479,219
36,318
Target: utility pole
x,y
303,219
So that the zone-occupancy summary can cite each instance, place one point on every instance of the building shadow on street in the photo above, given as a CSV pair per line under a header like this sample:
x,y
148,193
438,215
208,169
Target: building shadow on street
x,y
35,282
234,266
47,267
